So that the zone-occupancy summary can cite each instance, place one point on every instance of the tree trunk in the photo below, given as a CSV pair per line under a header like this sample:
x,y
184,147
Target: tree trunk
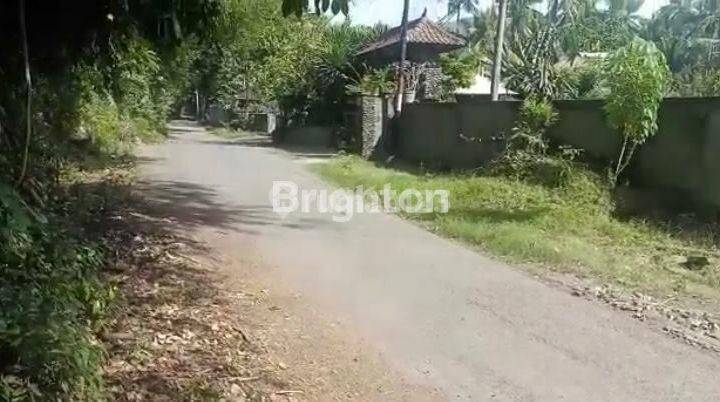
x,y
499,39
28,82
403,57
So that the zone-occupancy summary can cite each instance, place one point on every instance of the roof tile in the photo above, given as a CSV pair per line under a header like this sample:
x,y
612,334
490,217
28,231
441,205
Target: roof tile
x,y
422,31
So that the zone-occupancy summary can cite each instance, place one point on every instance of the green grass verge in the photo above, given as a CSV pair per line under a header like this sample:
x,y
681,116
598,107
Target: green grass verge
x,y
568,229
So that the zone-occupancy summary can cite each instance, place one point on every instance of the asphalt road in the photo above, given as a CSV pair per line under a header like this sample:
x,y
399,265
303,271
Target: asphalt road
x,y
441,315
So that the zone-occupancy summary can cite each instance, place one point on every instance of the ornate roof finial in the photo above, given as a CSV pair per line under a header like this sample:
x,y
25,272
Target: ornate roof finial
x,y
424,13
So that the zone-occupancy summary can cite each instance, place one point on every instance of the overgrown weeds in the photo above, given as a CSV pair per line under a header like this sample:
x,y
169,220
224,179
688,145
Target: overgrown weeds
x,y
53,301
566,228
100,300
528,155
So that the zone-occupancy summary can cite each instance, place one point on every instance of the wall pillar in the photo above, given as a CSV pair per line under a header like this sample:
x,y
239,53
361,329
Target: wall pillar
x,y
371,124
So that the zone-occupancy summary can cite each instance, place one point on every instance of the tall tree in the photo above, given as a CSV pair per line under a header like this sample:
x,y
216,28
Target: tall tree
x,y
686,31
570,11
624,7
28,84
403,56
458,7
499,40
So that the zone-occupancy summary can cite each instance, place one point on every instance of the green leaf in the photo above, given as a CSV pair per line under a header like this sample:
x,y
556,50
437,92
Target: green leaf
x,y
14,209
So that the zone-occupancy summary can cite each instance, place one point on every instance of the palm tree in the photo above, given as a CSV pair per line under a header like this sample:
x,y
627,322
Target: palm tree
x,y
624,7
457,7
521,12
686,31
483,29
570,11
626,11
709,26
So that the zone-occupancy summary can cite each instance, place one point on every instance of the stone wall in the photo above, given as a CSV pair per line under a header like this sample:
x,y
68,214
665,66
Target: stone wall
x,y
376,114
371,124
430,86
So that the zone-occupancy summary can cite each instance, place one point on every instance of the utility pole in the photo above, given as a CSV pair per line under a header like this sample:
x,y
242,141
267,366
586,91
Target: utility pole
x,y
499,38
403,57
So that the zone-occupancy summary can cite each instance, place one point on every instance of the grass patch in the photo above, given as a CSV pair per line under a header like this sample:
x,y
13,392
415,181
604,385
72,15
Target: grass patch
x,y
568,228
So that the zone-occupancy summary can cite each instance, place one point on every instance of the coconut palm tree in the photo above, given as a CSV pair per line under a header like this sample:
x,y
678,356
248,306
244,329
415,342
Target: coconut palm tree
x,y
624,7
686,31
570,11
457,7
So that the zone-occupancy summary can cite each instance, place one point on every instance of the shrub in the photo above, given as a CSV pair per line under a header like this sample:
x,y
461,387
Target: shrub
x,y
140,89
50,301
179,74
536,116
526,156
459,70
374,82
636,76
99,120
583,81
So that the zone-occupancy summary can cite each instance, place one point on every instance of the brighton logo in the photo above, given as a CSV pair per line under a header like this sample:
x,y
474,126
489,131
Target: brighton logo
x,y
287,198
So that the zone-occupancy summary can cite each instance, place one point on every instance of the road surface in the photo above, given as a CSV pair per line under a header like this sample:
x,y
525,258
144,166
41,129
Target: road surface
x,y
454,324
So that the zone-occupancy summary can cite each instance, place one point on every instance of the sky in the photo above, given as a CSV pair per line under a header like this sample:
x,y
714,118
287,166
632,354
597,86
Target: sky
x,y
369,12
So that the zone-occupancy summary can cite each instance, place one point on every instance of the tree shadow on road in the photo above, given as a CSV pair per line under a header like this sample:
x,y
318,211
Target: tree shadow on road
x,y
192,206
175,334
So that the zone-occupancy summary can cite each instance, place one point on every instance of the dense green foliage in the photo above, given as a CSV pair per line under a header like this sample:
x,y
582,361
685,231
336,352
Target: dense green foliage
x,y
636,76
374,82
531,63
596,33
459,69
536,116
108,73
298,7
256,58
263,54
103,77
544,48
528,154
583,80
703,82
51,301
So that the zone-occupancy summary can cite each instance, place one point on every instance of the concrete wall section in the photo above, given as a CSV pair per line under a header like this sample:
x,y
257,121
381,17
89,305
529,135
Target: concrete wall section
x,y
582,124
684,154
682,159
311,136
424,132
454,136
